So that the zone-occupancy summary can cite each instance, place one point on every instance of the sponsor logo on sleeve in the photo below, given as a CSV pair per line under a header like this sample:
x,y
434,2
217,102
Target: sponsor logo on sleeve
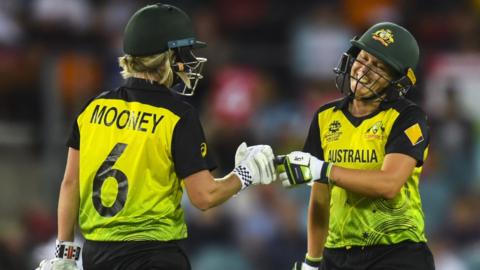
x,y
414,134
203,149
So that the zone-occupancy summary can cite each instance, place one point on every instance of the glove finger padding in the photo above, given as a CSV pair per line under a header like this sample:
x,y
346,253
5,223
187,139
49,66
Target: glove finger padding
x,y
264,167
283,178
269,169
241,153
301,168
253,165
308,267
280,162
303,266
57,264
297,266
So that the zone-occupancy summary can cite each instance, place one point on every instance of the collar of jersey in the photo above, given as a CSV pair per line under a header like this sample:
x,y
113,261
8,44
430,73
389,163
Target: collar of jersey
x,y
357,121
136,83
343,103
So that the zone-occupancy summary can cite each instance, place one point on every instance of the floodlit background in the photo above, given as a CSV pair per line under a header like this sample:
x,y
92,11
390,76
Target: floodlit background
x,y
269,68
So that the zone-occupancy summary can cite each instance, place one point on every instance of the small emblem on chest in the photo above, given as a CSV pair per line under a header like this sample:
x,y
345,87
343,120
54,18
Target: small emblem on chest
x,y
334,132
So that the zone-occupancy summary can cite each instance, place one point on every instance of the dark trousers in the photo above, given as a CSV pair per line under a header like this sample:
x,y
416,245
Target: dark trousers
x,y
136,255
402,256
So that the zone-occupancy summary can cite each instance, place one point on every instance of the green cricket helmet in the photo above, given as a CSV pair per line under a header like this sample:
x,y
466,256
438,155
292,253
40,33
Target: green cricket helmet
x,y
392,44
158,28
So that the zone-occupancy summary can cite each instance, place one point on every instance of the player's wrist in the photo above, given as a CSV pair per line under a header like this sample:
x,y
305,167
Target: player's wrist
x,y
321,170
67,250
244,175
325,173
313,261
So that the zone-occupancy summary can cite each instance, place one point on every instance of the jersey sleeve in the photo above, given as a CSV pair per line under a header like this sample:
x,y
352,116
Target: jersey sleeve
x,y
410,135
189,146
74,138
312,143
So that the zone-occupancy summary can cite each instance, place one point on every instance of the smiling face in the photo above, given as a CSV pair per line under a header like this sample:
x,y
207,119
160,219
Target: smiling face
x,y
369,75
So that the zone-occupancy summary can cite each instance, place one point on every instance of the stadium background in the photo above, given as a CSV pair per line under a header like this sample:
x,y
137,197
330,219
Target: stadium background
x,y
269,67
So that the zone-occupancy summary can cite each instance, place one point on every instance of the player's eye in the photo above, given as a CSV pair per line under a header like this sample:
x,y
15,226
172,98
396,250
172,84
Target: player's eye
x,y
362,61
381,67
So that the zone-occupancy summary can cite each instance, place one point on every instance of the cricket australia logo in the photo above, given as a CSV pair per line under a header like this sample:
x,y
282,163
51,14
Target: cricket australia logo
x,y
383,36
376,131
334,132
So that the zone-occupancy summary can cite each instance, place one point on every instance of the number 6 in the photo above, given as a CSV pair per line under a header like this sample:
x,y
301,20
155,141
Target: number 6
x,y
102,174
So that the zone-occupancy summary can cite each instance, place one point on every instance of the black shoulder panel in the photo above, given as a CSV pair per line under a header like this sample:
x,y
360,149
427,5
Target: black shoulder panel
x,y
402,104
158,98
338,103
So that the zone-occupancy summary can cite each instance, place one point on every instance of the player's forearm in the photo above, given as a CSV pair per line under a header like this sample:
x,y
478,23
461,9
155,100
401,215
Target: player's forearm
x,y
318,217
317,233
68,204
220,190
372,183
224,189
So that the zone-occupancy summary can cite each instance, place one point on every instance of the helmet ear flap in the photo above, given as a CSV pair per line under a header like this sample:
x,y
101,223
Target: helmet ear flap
x,y
344,64
342,80
405,82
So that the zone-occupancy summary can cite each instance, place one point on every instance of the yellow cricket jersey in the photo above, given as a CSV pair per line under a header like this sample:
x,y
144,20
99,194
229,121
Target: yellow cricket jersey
x,y
362,143
136,145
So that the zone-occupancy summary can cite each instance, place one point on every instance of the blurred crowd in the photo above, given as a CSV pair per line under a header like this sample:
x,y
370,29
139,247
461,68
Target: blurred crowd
x,y
269,68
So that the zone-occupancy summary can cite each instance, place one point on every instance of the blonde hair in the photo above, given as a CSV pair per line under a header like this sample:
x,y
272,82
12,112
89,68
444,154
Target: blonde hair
x,y
155,68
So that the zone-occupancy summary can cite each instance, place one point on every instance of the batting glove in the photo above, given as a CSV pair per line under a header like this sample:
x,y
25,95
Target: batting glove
x,y
309,264
299,168
254,165
66,255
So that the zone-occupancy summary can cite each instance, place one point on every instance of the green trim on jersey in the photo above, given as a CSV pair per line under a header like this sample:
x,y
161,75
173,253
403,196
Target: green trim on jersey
x,y
129,200
356,220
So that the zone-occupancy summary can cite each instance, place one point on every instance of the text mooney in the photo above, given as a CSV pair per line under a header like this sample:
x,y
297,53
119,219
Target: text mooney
x,y
125,119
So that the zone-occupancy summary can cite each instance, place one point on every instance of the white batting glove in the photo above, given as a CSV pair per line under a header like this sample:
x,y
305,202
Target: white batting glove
x,y
299,168
254,165
303,266
57,264
309,263
66,255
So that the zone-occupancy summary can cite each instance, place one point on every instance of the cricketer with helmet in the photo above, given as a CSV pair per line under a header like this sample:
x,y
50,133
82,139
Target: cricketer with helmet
x,y
133,150
363,157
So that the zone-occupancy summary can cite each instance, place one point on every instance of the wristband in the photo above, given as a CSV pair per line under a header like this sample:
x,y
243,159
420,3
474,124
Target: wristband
x,y
244,175
312,261
67,250
325,173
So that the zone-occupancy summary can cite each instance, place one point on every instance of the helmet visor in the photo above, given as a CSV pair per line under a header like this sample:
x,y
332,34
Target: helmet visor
x,y
189,68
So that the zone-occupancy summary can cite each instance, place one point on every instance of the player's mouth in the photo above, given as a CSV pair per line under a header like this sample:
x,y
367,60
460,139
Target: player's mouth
x,y
363,80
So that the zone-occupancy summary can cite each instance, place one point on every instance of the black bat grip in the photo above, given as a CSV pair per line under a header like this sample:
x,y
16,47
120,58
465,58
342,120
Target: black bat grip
x,y
278,160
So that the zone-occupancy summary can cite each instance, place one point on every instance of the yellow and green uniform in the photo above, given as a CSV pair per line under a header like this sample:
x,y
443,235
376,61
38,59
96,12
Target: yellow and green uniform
x,y
136,145
362,143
